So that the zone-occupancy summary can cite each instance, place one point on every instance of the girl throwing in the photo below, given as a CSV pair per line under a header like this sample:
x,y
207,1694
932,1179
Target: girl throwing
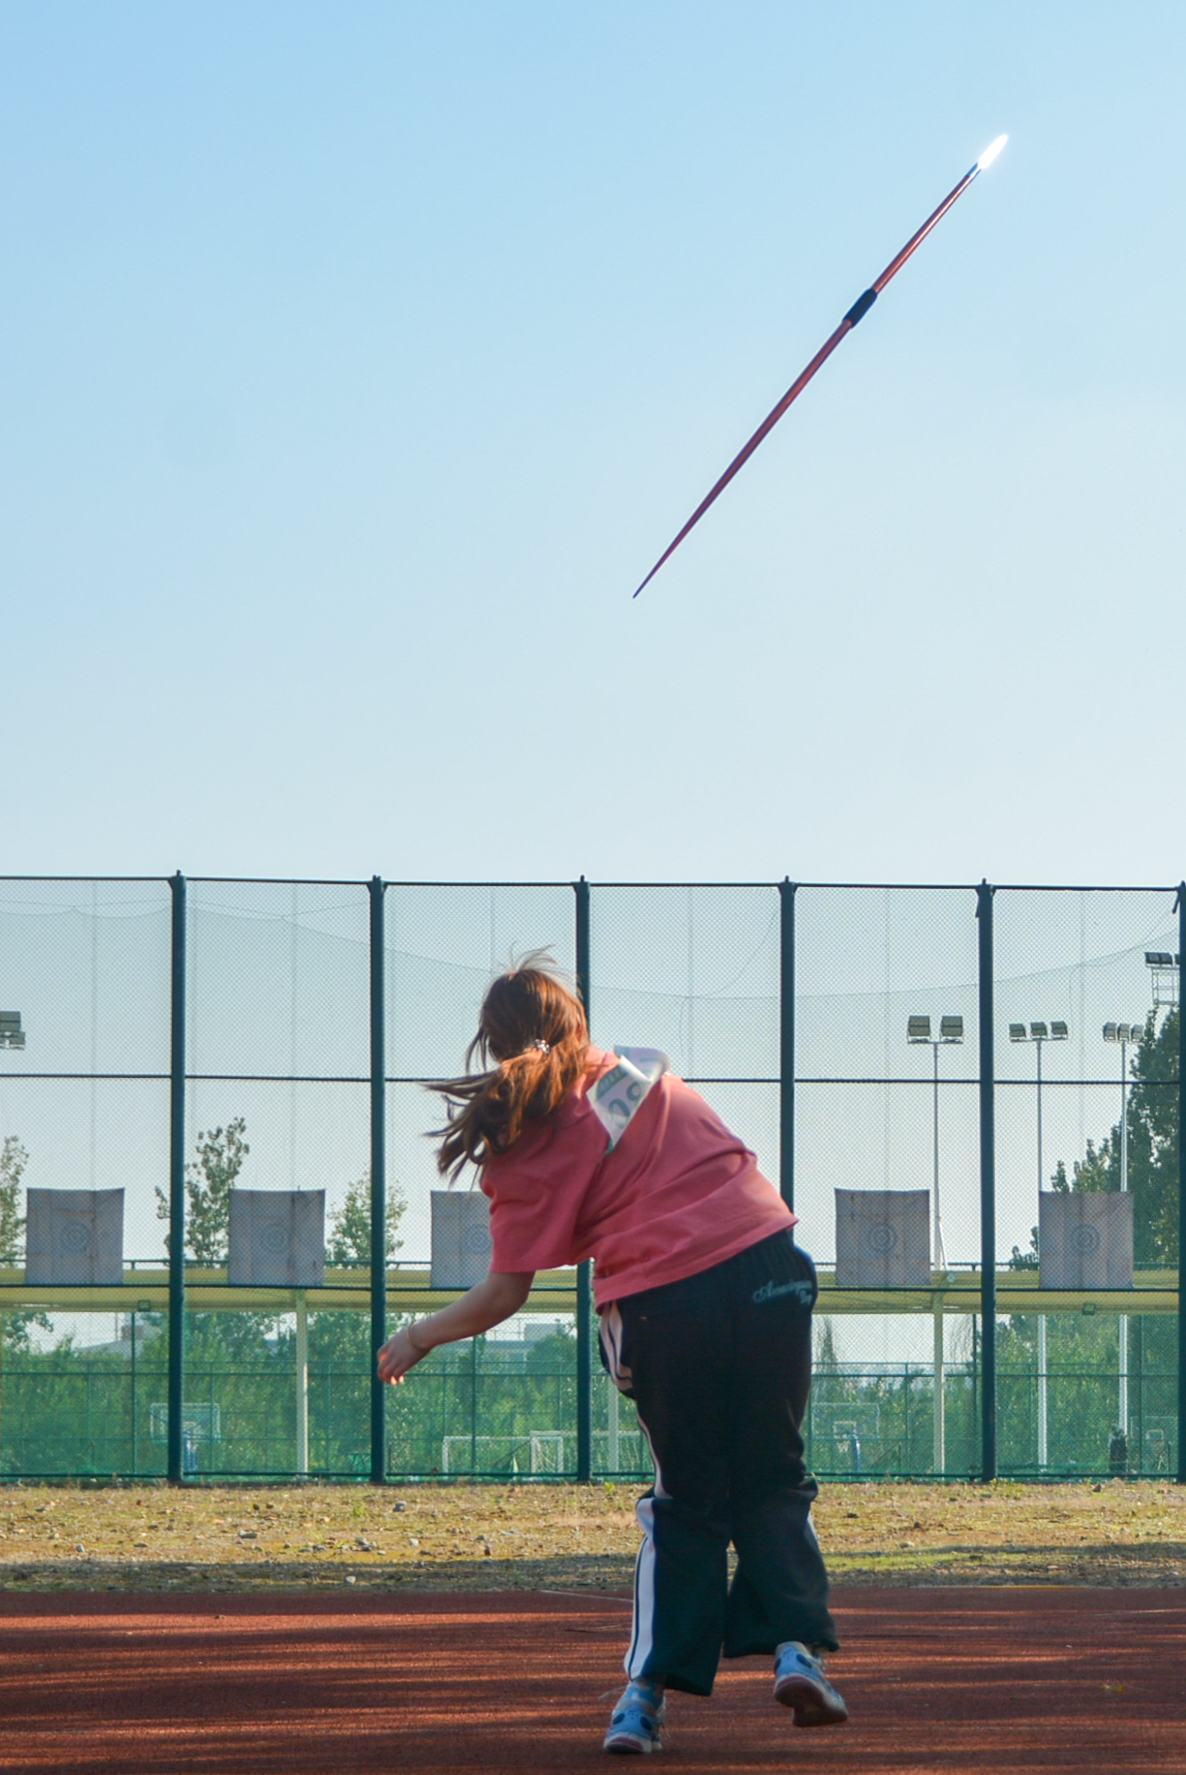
x,y
705,1305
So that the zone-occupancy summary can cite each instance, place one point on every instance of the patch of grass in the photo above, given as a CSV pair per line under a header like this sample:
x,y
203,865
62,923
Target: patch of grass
x,y
493,1537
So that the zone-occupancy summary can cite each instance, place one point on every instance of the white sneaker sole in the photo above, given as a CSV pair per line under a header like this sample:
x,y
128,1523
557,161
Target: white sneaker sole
x,y
626,1744
812,1705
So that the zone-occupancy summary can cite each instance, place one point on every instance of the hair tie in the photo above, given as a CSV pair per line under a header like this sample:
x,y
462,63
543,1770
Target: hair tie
x,y
544,1047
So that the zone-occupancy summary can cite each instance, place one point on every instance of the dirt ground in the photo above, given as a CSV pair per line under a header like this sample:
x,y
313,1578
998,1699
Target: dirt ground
x,y
531,1537
939,1682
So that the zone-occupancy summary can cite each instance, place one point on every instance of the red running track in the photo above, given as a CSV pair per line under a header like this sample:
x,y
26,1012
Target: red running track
x,y
970,1681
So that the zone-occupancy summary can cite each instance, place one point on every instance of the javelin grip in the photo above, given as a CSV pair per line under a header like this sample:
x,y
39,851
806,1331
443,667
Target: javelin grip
x,y
861,307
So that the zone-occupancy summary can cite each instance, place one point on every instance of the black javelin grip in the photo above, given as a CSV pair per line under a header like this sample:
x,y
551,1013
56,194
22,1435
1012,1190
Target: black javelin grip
x,y
860,308
857,312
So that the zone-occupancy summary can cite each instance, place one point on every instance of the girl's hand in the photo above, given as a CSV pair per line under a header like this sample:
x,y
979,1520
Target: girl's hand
x,y
398,1354
488,1304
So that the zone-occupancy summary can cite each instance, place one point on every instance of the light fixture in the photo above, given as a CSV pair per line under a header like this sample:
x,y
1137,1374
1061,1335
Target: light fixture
x,y
918,1029
1165,969
951,1029
1058,1032
1039,1032
1017,1032
11,1033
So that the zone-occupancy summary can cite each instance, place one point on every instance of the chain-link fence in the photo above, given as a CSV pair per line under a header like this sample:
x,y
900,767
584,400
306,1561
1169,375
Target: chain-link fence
x,y
971,1096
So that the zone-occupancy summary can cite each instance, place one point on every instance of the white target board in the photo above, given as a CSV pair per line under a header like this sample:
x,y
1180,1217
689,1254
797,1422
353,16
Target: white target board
x,y
461,1246
883,1238
277,1238
1085,1240
74,1238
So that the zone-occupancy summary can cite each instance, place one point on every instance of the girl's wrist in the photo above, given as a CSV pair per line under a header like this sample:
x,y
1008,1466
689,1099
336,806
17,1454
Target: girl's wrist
x,y
420,1349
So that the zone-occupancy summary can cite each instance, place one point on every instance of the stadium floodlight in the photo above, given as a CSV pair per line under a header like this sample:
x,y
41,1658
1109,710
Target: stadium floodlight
x,y
1164,969
859,309
11,1033
1122,1034
1038,1034
918,1032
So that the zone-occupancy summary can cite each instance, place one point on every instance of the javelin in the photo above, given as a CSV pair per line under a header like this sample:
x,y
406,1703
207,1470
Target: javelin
x,y
857,312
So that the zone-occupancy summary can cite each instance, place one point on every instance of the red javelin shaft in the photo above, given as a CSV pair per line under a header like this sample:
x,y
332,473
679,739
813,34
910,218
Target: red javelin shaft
x,y
857,312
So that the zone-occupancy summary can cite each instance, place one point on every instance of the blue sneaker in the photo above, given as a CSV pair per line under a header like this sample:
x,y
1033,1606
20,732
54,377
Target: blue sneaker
x,y
799,1682
637,1722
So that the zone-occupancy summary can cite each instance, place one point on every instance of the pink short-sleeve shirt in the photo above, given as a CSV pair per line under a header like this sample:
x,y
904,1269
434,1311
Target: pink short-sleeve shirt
x,y
678,1193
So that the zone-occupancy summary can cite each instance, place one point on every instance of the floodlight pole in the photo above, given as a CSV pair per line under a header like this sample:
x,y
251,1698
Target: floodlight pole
x,y
939,1355
1038,1033
1122,1323
939,1256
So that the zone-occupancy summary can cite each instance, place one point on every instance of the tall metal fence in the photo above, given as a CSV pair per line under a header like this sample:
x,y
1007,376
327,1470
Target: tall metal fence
x,y
989,1049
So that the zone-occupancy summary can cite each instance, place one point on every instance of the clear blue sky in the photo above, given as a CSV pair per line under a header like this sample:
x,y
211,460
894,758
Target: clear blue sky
x,y
358,361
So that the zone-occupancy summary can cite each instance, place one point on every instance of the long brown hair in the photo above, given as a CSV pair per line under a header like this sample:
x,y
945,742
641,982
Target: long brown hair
x,y
533,1028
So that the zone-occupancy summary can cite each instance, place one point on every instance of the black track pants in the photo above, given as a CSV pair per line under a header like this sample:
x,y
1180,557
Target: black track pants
x,y
719,1367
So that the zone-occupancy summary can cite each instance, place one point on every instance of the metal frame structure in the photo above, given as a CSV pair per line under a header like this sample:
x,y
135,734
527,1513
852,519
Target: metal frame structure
x,y
987,1293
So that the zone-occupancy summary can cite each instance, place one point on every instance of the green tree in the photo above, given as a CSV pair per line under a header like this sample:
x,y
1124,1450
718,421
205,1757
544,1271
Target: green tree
x,y
1153,1137
340,1343
1152,1148
349,1243
208,1183
13,1159
14,1327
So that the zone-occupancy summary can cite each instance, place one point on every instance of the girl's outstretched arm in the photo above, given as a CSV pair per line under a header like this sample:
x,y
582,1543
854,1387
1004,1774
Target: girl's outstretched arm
x,y
492,1301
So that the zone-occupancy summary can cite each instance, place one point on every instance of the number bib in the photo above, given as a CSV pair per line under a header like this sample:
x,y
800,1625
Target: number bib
x,y
616,1099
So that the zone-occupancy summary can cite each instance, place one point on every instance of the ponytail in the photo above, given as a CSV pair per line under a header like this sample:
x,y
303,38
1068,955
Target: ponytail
x,y
533,1027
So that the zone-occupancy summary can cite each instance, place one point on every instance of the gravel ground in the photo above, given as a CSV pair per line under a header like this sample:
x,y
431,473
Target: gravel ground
x,y
494,1537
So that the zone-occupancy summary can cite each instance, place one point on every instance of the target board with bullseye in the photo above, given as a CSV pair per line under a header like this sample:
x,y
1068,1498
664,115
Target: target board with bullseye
x,y
1085,1239
74,1238
883,1238
461,1244
277,1239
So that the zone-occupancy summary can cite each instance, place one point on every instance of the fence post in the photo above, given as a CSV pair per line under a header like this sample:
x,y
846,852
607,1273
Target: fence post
x,y
377,890
988,1208
174,1453
584,1270
786,1038
1180,909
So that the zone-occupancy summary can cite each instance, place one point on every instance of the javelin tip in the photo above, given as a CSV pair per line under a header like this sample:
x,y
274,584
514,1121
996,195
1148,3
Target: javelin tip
x,y
990,153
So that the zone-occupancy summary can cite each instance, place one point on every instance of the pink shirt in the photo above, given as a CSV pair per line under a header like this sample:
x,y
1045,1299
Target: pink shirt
x,y
678,1194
